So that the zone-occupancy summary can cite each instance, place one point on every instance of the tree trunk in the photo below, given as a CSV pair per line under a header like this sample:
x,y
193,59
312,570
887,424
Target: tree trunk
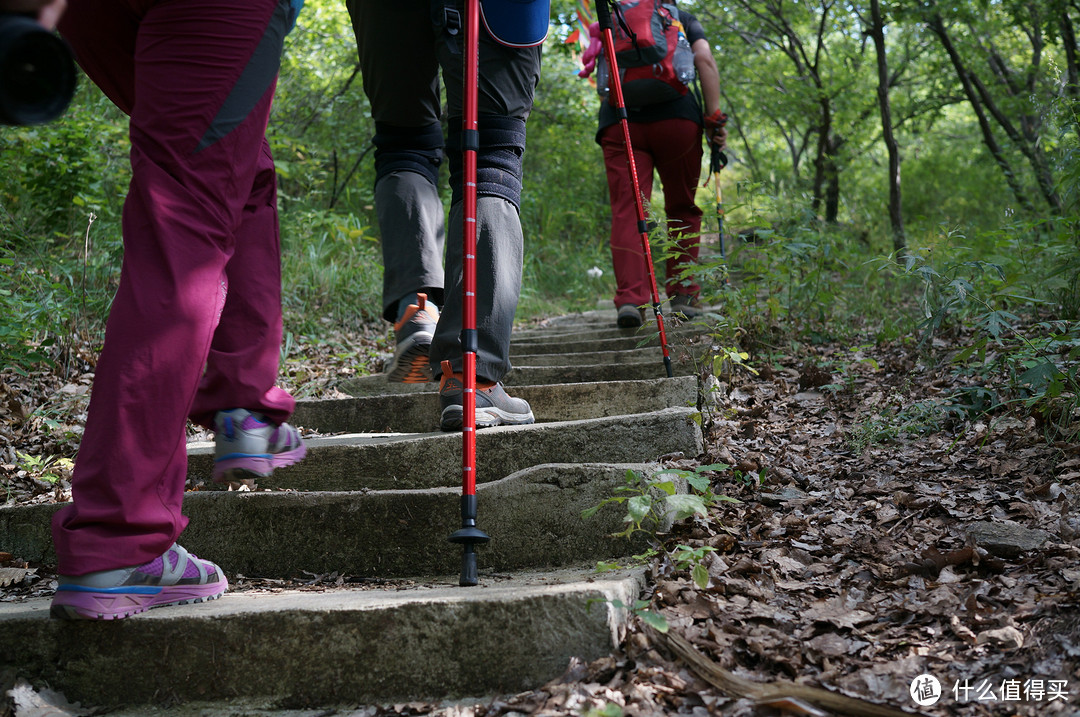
x,y
832,190
937,26
822,159
1072,71
896,216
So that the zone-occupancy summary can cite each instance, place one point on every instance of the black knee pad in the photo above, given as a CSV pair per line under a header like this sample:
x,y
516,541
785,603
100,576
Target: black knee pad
x,y
498,161
408,149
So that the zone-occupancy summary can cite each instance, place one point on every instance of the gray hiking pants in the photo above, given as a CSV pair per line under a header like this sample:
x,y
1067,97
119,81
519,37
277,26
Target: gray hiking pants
x,y
403,45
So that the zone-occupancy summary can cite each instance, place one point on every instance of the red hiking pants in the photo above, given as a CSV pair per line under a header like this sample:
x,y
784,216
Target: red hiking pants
x,y
195,326
673,148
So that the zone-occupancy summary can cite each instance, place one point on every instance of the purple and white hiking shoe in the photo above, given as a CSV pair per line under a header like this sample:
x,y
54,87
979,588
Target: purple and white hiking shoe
x,y
175,578
247,446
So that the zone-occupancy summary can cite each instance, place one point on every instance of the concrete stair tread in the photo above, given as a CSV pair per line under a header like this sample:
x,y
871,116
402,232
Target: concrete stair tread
x,y
533,517
645,354
647,331
359,461
431,639
543,373
393,414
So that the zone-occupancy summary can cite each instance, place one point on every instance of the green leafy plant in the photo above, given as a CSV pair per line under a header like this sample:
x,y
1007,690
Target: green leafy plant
x,y
693,559
637,495
1039,372
890,424
608,710
47,469
648,499
726,360
639,608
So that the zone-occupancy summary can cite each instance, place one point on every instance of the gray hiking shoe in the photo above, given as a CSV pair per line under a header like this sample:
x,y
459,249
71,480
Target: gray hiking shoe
x,y
630,316
494,407
687,305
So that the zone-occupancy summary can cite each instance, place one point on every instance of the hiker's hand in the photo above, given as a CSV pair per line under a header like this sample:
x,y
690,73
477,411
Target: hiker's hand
x,y
46,12
715,130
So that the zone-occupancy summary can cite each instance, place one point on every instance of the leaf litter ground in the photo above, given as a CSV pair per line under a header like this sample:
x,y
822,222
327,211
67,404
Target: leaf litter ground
x,y
876,539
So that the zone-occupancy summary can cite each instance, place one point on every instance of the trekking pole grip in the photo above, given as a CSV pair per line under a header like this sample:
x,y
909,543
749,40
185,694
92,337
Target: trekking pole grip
x,y
603,15
717,159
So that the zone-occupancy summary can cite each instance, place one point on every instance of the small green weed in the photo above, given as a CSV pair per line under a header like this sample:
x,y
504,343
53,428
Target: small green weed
x,y
888,425
608,710
645,498
47,469
693,559
639,608
649,499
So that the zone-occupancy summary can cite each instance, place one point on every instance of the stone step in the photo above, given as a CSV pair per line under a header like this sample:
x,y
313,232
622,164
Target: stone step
x,y
426,640
533,516
560,372
581,343
640,371
431,460
584,333
417,412
646,354
601,319
674,327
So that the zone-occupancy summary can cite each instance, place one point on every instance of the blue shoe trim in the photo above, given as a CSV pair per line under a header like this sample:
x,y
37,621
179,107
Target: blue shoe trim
x,y
243,455
122,590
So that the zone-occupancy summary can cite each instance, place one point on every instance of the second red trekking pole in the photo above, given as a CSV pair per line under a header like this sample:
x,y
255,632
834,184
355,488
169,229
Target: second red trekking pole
x,y
603,17
469,536
717,161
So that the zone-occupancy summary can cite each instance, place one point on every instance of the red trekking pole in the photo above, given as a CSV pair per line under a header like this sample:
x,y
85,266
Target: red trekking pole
x,y
469,535
603,16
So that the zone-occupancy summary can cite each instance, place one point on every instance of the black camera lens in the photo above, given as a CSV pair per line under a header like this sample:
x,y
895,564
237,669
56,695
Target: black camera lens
x,y
37,72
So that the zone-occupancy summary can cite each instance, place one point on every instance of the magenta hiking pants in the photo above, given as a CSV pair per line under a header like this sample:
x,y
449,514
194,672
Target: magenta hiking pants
x,y
673,148
195,326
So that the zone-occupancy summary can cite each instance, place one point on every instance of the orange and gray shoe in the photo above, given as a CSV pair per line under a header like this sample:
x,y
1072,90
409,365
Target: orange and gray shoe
x,y
413,333
494,407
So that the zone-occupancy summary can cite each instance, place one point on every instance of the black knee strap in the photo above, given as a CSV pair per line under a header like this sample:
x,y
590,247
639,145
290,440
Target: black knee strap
x,y
408,149
498,161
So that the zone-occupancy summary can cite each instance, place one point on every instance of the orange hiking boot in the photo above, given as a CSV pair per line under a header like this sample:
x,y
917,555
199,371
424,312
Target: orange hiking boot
x,y
413,334
494,407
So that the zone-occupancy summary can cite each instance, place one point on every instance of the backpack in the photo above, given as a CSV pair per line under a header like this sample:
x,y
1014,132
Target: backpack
x,y
655,61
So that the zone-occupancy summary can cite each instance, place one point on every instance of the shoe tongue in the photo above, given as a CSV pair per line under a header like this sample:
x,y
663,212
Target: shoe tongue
x,y
407,301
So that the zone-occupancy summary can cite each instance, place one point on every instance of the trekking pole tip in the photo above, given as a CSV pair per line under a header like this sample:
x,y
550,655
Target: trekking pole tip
x,y
469,537
469,573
